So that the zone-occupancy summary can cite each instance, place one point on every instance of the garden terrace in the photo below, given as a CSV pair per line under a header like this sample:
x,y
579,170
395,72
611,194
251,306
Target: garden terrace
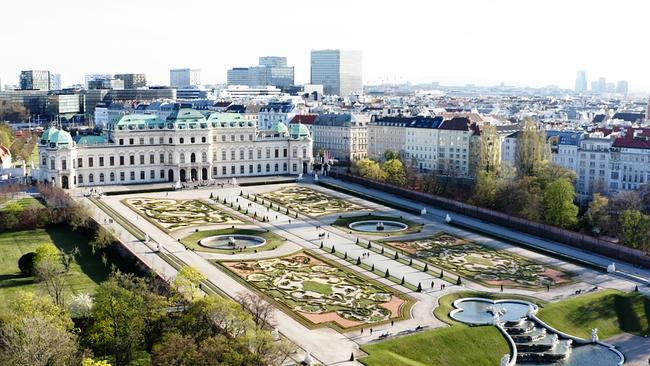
x,y
481,263
318,292
311,202
171,214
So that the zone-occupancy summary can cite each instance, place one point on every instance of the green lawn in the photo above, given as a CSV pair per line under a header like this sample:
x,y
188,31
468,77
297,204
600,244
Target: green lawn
x,y
445,303
84,275
343,222
458,345
314,286
23,203
272,240
611,311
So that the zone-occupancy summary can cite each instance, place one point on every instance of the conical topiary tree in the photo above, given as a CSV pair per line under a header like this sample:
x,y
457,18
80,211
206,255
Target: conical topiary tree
x,y
358,261
241,193
426,267
333,250
402,282
211,195
419,289
458,281
321,245
410,261
442,274
387,274
369,245
357,240
396,256
382,250
345,256
372,269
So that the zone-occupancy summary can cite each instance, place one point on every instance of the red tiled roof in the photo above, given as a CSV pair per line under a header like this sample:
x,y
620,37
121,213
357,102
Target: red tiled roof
x,y
634,138
456,123
4,152
305,119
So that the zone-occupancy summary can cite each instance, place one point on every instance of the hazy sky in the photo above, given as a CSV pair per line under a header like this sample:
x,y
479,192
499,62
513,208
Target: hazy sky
x,y
522,42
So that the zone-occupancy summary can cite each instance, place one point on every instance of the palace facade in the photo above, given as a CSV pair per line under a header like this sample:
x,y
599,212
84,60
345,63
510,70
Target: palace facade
x,y
185,146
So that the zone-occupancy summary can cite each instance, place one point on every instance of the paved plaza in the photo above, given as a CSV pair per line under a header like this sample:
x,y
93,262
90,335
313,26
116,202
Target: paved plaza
x,y
332,284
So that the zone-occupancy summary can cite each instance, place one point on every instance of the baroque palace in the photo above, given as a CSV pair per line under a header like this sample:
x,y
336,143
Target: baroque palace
x,y
186,146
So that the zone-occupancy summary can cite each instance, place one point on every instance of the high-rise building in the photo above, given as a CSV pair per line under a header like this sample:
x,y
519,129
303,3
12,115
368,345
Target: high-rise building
x,y
271,71
602,85
581,82
55,82
621,87
93,77
35,80
340,72
133,81
184,77
273,61
238,76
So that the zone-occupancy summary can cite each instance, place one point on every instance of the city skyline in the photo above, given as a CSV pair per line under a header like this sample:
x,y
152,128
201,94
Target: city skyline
x,y
426,42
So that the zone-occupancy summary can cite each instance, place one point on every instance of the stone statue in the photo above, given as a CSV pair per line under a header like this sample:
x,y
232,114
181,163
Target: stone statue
x,y
423,211
276,334
554,338
611,267
300,176
316,177
594,335
234,181
308,359
531,310
146,238
447,218
505,360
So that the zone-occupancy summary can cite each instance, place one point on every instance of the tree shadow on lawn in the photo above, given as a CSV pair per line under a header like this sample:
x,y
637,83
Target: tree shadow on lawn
x,y
15,280
627,317
90,264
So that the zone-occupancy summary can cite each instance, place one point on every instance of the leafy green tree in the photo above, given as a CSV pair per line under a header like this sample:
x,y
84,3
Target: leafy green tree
x,y
394,170
635,229
119,315
597,217
485,189
50,267
369,169
532,151
187,282
390,155
521,198
559,208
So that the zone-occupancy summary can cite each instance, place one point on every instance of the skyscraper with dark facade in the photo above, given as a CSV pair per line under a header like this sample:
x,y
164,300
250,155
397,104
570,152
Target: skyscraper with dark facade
x,y
35,80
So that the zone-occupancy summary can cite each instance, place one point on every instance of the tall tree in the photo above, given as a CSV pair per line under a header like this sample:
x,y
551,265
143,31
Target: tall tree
x,y
485,189
597,217
394,170
485,151
559,208
532,151
635,229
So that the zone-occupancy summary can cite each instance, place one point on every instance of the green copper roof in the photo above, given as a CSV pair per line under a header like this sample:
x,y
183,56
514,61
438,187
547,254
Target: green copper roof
x,y
299,130
224,119
47,134
280,128
60,139
91,140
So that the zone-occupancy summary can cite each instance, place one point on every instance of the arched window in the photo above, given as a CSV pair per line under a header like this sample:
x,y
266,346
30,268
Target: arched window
x,y
268,167
80,179
64,164
241,154
284,167
91,178
112,177
259,168
276,167
204,157
192,158
171,159
44,160
52,163
182,158
101,177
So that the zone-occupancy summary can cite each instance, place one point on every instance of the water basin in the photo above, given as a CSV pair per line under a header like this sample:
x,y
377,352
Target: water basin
x,y
234,241
378,226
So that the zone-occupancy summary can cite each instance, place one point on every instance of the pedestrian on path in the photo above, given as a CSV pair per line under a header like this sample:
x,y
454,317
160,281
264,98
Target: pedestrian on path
x,y
370,331
362,331
392,322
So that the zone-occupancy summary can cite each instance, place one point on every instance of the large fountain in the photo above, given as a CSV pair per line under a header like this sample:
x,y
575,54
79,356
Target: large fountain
x,y
232,242
378,226
535,342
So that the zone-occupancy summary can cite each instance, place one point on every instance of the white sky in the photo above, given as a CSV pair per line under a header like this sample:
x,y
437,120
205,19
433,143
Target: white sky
x,y
521,42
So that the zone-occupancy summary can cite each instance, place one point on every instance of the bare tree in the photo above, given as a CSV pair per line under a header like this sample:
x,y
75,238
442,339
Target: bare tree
x,y
36,341
261,310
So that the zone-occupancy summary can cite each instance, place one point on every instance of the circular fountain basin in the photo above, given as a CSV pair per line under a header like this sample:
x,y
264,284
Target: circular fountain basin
x,y
477,310
234,241
378,226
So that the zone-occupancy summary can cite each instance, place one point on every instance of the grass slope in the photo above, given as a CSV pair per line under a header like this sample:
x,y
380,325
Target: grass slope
x,y
453,346
84,275
611,311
